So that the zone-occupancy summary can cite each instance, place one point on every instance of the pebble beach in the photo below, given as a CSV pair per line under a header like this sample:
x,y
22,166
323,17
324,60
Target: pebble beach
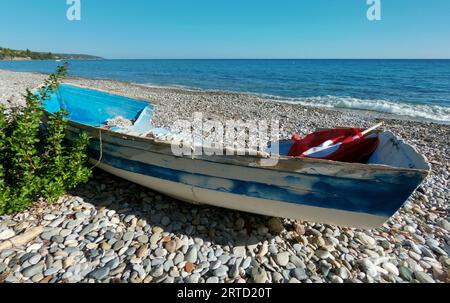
x,y
111,230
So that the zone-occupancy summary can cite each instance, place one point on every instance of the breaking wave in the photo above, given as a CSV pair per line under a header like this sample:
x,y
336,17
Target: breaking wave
x,y
429,112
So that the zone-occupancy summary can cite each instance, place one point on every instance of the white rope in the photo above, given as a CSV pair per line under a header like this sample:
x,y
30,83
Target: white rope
x,y
101,150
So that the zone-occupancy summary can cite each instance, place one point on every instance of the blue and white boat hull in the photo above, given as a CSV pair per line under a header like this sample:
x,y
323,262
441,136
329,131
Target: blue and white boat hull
x,y
352,195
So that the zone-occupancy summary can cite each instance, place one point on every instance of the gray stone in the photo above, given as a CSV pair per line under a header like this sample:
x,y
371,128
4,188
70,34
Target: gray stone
x,y
423,277
246,263
113,264
65,232
277,277
336,279
296,261
259,275
130,251
366,240
157,271
325,269
224,258
160,252
57,222
174,272
169,280
215,264
7,253
343,272
425,251
33,270
89,228
191,255
158,261
282,258
101,273
444,224
49,217
239,251
34,259
6,234
234,271
37,278
273,249
165,221
118,245
74,223
3,267
323,254
168,265
218,252
220,272
128,236
213,280
194,278
155,238
391,268
128,218
179,257
57,239
109,235
51,271
140,270
143,239
405,273
300,274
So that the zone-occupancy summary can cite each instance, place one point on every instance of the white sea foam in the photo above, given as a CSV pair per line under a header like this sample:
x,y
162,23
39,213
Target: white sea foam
x,y
430,112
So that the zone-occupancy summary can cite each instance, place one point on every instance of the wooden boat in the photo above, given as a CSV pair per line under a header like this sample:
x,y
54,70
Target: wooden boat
x,y
344,194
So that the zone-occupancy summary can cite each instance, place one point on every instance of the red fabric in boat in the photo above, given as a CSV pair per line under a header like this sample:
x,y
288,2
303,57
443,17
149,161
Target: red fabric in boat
x,y
353,148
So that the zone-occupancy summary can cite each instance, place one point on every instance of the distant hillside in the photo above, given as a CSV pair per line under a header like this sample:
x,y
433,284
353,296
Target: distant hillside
x,y
12,54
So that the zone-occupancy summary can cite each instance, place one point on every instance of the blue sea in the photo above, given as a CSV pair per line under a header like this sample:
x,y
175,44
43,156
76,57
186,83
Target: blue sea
x,y
415,88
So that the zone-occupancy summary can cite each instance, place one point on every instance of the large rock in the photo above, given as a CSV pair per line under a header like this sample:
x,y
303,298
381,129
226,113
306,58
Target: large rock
x,y
259,275
7,234
282,258
22,239
275,225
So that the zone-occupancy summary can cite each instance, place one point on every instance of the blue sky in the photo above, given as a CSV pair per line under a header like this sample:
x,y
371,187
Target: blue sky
x,y
230,28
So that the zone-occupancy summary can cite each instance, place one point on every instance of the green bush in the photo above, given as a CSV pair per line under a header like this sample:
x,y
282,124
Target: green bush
x,y
35,162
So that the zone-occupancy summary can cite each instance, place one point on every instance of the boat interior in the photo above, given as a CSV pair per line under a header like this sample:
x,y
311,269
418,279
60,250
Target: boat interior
x,y
94,108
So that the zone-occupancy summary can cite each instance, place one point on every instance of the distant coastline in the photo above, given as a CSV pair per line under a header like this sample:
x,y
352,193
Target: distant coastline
x,y
7,54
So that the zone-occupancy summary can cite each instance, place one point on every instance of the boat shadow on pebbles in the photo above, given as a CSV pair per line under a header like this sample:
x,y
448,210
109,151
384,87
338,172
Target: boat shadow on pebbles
x,y
150,211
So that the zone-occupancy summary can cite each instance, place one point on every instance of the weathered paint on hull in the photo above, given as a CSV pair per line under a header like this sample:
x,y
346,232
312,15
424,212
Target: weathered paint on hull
x,y
249,204
364,202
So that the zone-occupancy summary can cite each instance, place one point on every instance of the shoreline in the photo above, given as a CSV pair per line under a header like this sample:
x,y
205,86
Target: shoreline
x,y
112,230
258,97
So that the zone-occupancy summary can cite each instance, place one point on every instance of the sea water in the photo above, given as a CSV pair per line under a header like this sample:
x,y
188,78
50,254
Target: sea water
x,y
416,88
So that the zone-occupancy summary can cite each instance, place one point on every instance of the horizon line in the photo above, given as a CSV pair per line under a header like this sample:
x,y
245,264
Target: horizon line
x,y
105,58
